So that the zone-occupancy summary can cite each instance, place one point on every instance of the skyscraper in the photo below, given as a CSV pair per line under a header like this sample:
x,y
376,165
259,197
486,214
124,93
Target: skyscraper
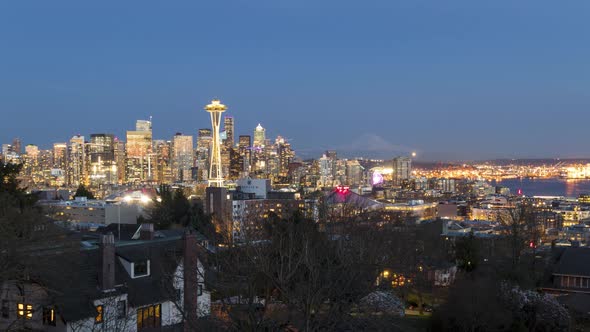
x,y
163,170
102,168
120,160
31,163
59,170
143,125
285,155
354,173
6,149
326,170
17,146
228,127
60,156
215,175
402,170
204,139
32,150
139,152
245,151
259,136
76,161
182,161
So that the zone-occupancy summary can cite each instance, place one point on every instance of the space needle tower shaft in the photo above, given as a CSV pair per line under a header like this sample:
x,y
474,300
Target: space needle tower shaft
x,y
215,174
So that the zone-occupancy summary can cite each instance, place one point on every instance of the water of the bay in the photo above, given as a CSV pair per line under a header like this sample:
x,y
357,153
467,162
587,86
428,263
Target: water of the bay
x,y
546,187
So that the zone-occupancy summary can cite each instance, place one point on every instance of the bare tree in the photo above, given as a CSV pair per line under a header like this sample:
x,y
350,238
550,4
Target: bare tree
x,y
521,229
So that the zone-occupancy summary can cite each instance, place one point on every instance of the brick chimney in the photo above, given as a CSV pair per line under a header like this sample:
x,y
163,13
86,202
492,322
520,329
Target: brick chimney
x,y
191,280
106,277
146,232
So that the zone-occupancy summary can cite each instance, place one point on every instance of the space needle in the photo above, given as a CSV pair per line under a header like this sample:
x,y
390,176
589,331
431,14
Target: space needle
x,y
215,175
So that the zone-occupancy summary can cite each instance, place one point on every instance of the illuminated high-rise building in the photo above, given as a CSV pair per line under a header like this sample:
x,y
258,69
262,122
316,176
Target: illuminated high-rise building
x,y
139,152
271,158
31,164
402,170
326,171
332,154
6,149
60,156
120,160
163,170
354,173
245,151
204,139
45,160
143,125
32,151
17,146
215,174
259,160
225,161
182,157
58,172
235,169
76,161
102,168
339,172
259,136
228,127
8,156
285,155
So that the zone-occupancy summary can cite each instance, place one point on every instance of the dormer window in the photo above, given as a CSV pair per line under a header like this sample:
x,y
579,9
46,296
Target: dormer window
x,y
141,268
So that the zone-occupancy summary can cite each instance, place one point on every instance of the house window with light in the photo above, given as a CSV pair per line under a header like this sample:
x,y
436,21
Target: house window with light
x,y
24,310
49,316
149,317
99,314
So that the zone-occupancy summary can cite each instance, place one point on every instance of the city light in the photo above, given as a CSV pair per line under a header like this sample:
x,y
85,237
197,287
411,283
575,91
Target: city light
x,y
144,199
343,190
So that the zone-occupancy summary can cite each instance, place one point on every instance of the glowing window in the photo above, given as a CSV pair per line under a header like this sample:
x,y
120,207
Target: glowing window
x,y
99,317
149,317
49,316
24,310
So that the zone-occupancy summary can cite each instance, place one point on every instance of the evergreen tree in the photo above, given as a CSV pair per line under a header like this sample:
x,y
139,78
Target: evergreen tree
x,y
82,191
467,253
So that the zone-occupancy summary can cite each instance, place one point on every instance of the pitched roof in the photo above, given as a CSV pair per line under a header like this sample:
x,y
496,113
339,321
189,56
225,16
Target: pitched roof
x,y
74,294
574,261
354,199
164,257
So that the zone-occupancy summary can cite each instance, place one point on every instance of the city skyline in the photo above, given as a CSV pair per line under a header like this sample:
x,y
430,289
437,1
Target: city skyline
x,y
443,79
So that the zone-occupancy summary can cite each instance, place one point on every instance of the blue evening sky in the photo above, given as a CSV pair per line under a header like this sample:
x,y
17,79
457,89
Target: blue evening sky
x,y
450,79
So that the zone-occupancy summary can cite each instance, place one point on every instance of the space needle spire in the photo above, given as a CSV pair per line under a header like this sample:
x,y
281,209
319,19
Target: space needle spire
x,y
215,175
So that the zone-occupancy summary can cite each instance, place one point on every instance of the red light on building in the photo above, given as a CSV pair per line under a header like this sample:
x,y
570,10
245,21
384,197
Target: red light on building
x,y
531,244
343,189
519,192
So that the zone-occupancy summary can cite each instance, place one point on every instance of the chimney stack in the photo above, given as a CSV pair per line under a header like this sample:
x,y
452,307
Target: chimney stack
x,y
106,278
146,232
191,279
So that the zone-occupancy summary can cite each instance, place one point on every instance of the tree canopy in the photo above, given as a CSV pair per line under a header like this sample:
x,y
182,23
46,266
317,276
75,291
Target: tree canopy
x,y
82,191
